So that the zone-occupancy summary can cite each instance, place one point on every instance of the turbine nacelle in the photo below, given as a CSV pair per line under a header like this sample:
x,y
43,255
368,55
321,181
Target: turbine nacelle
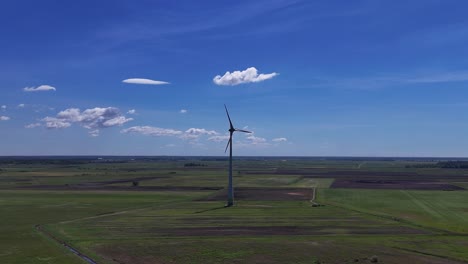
x,y
232,130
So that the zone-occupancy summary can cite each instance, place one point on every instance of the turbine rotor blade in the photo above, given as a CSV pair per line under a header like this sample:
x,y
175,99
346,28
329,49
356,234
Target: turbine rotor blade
x,y
230,123
245,131
229,142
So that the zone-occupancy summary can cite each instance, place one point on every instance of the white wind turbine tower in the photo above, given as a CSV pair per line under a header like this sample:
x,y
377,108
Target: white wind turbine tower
x,y
230,201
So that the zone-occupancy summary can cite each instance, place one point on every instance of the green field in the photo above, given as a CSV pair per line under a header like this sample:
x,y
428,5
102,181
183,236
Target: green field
x,y
170,215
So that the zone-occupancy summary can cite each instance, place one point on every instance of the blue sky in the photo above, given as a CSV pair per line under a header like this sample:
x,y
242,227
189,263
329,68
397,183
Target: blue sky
x,y
318,78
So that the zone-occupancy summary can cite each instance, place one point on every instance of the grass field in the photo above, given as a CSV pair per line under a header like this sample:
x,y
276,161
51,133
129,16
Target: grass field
x,y
170,216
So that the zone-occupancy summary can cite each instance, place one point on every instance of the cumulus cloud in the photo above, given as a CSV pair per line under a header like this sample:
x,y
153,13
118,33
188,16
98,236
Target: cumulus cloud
x,y
41,88
192,134
152,131
183,111
256,140
34,125
249,75
92,119
131,112
55,123
143,81
279,139
200,131
4,118
195,133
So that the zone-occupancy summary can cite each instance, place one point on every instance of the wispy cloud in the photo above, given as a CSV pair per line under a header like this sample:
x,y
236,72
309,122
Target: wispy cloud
x,y
249,75
4,118
200,19
200,131
55,123
33,125
282,139
21,105
94,133
92,119
389,80
41,88
131,112
457,76
195,133
144,81
192,134
183,111
256,140
3,107
219,138
152,131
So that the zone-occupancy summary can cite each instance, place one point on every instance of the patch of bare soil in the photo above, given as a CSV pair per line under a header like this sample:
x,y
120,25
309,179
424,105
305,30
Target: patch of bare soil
x,y
361,174
115,188
394,184
264,194
283,231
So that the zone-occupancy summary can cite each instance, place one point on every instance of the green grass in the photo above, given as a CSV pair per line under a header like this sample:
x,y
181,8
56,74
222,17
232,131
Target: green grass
x,y
144,233
22,210
438,209
139,227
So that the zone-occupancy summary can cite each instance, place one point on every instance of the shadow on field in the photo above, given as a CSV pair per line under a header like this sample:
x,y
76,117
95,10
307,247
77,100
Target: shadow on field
x,y
211,209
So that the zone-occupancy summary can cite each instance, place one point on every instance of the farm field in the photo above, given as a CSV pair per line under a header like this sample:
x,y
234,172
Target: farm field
x,y
288,210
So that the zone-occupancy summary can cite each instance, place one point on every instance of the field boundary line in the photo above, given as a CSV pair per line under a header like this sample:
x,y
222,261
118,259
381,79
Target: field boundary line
x,y
120,212
63,243
430,254
395,219
422,205
75,251
314,198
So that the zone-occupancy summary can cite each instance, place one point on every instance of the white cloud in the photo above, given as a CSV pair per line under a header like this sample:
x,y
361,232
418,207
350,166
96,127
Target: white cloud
x,y
4,118
219,138
256,140
118,121
131,112
33,125
183,111
94,133
152,131
21,105
200,131
4,107
93,119
249,75
192,134
39,88
279,139
55,123
143,81
195,133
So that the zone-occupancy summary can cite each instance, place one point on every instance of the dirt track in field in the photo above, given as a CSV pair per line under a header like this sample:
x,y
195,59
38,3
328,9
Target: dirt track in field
x,y
82,187
265,194
284,231
395,185
359,174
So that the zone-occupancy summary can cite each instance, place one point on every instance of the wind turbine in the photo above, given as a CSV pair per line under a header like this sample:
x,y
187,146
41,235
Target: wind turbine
x,y
230,201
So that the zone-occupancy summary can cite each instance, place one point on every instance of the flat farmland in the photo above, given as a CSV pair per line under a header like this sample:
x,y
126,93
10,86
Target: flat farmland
x,y
288,210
